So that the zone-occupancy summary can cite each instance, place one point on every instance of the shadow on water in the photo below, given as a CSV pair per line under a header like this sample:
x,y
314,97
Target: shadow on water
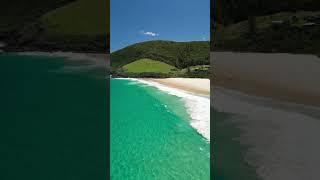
x,y
228,154
53,124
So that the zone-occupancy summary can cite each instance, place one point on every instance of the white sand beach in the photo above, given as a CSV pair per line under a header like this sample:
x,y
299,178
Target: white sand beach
x,y
194,85
195,93
275,102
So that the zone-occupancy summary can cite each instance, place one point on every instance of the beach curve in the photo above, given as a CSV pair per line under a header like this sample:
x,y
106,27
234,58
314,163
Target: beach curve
x,y
197,104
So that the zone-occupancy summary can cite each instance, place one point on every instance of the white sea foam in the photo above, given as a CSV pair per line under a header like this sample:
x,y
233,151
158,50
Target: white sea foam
x,y
198,107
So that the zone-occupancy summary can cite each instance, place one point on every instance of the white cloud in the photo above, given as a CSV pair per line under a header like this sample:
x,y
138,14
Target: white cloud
x,y
149,33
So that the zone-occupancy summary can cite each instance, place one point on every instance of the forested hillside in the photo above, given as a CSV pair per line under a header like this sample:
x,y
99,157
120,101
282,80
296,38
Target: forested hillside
x,y
289,26
232,11
179,54
53,25
180,58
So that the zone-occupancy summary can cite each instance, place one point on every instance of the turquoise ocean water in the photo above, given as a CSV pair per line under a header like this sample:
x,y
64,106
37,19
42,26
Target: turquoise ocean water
x,y
151,137
229,154
52,120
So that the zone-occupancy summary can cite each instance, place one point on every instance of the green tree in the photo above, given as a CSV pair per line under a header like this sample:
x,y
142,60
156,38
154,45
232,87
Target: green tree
x,y
252,6
179,61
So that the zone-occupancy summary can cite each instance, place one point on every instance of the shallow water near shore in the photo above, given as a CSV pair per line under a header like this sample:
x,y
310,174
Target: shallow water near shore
x,y
279,136
53,120
151,135
229,155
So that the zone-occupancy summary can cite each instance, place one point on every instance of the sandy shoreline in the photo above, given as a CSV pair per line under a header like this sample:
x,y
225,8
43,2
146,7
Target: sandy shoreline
x,y
193,85
97,60
286,77
197,104
282,138
274,99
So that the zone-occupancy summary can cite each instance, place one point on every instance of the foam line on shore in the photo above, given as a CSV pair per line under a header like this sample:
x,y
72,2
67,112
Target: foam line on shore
x,y
280,136
198,107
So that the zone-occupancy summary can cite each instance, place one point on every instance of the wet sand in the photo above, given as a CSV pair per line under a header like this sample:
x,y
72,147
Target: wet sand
x,y
286,77
282,138
275,102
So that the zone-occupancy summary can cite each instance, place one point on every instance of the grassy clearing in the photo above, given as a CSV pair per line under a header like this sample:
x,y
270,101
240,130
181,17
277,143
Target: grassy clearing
x,y
171,57
149,65
82,17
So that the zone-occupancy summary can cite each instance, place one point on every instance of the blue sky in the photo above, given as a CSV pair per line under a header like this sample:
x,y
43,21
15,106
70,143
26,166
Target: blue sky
x,y
135,21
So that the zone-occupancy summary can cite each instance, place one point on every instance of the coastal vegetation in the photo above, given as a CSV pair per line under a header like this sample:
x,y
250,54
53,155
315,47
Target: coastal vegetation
x,y
297,32
233,11
71,19
65,25
162,59
267,26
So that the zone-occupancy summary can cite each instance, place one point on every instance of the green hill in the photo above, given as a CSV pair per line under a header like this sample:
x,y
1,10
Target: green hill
x,y
15,14
83,17
164,51
53,25
179,55
148,65
286,32
233,11
251,26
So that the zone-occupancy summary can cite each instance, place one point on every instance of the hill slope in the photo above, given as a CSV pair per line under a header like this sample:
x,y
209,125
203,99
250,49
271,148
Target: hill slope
x,y
196,53
169,59
84,17
148,65
65,25
232,11
16,13
293,35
